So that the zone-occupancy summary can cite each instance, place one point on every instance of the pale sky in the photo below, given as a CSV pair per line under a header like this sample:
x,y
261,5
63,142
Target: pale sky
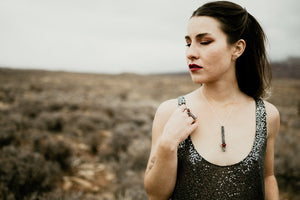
x,y
114,36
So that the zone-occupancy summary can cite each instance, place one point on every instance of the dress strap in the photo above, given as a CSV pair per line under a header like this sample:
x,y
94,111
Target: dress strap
x,y
261,119
181,100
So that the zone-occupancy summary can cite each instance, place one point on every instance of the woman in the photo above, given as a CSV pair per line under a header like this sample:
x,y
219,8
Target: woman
x,y
217,142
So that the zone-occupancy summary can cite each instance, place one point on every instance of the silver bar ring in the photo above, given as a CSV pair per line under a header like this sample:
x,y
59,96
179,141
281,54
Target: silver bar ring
x,y
190,114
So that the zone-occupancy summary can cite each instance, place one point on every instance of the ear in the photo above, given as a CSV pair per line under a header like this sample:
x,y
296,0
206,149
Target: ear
x,y
238,49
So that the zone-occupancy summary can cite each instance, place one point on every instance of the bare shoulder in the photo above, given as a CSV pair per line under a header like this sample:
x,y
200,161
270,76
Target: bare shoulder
x,y
272,111
165,110
273,118
162,115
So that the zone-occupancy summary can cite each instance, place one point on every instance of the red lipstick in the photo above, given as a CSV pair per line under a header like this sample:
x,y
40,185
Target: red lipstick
x,y
194,67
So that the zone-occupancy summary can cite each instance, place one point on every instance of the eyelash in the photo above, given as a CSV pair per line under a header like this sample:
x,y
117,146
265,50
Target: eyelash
x,y
205,43
202,43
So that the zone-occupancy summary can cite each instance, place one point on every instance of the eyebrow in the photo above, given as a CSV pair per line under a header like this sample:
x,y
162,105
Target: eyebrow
x,y
198,36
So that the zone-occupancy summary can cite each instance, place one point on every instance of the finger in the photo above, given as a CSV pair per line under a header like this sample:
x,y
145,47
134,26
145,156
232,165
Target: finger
x,y
193,127
182,107
190,129
190,120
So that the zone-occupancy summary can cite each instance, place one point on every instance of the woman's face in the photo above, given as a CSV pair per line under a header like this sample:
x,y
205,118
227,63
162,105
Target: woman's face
x,y
208,54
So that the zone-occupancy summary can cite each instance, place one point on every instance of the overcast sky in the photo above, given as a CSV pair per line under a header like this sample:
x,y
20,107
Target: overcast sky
x,y
115,36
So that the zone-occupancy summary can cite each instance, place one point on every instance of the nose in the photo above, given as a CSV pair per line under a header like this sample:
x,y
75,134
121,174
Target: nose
x,y
192,53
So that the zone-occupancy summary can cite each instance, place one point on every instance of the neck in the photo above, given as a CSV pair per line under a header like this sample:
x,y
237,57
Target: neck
x,y
221,93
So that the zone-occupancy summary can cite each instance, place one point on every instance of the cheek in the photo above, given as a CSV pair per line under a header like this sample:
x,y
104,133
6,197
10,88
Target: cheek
x,y
218,57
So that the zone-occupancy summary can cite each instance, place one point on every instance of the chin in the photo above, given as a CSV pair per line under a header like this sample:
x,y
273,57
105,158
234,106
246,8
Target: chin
x,y
197,79
201,78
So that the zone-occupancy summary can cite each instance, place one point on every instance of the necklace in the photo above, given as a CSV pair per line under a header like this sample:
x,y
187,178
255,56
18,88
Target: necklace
x,y
222,123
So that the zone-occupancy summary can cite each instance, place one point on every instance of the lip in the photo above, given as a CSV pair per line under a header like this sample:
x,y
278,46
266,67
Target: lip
x,y
194,67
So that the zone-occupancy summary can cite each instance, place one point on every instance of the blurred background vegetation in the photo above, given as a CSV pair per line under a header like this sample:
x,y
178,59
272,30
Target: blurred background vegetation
x,y
87,136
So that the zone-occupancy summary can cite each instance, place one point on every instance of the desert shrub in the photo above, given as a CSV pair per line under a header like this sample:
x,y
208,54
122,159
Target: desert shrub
x,y
109,111
56,194
73,106
141,118
113,147
93,122
23,172
54,150
35,88
7,94
125,114
130,187
136,192
55,106
9,135
30,108
285,148
137,154
94,140
5,193
106,152
146,131
52,122
9,130
122,136
136,115
84,124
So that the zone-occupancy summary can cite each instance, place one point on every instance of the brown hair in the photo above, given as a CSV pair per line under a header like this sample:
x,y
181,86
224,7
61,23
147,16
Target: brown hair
x,y
253,70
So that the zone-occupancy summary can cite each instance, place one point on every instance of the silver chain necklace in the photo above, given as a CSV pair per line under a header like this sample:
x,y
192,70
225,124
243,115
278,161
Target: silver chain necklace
x,y
222,123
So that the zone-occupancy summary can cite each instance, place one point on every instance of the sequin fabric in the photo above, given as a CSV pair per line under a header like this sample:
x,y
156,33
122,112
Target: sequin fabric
x,y
200,179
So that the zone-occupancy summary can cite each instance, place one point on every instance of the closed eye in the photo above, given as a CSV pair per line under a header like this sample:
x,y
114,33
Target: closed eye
x,y
205,42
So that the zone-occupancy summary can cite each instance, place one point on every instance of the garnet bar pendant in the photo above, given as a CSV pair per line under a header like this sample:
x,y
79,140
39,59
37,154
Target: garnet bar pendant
x,y
223,139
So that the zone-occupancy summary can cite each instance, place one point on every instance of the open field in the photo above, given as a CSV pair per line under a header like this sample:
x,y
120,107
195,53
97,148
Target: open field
x,y
87,136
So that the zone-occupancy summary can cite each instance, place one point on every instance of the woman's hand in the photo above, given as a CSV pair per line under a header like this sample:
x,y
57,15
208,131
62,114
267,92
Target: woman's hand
x,y
179,126
171,125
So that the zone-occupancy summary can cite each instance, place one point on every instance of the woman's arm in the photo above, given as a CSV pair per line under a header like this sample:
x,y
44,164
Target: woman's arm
x,y
170,126
273,124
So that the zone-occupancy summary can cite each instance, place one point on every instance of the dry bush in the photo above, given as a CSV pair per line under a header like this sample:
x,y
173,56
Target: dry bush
x,y
287,166
7,94
5,193
81,123
94,140
137,154
56,195
92,122
54,150
30,108
23,173
9,135
52,122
